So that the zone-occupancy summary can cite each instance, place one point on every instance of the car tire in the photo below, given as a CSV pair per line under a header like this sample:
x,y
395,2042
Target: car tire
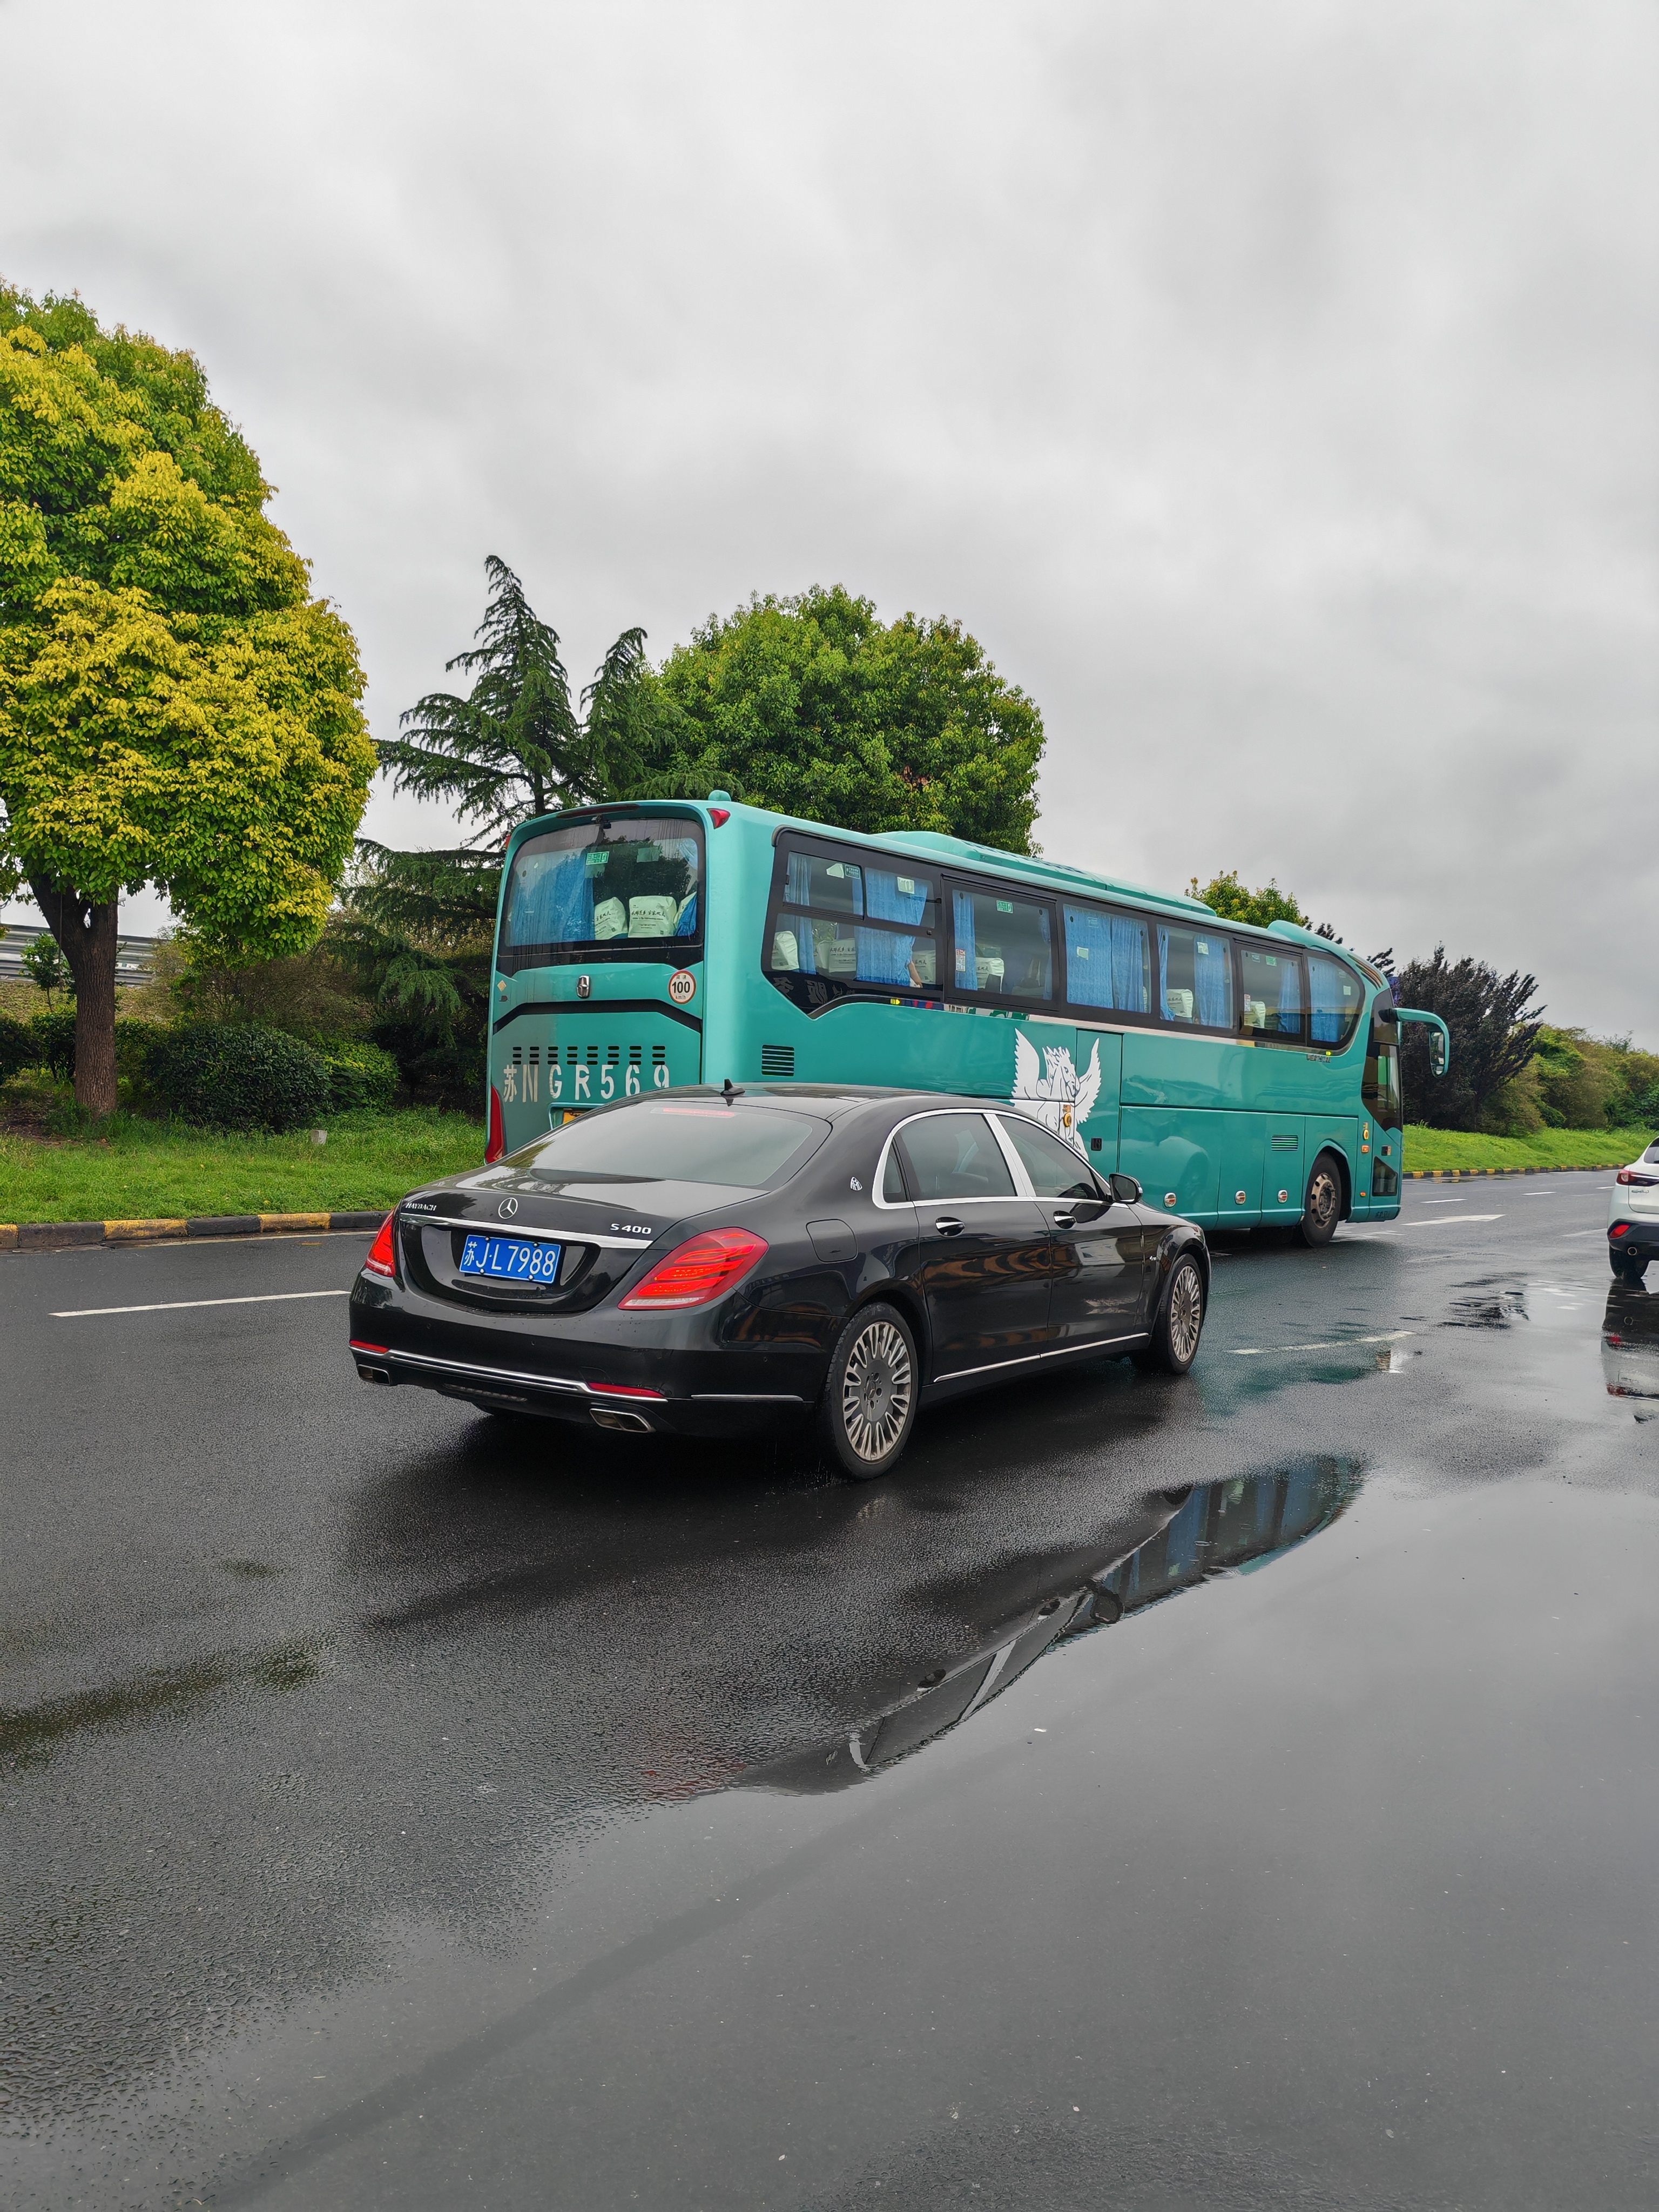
x,y
1173,1345
1627,1267
1322,1206
869,1403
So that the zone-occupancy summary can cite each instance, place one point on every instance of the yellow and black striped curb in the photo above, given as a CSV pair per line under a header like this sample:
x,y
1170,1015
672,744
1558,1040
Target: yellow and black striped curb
x,y
53,1236
1463,1175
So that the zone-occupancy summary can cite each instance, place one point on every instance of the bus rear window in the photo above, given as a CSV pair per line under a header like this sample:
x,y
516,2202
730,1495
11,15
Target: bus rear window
x,y
682,1140
629,888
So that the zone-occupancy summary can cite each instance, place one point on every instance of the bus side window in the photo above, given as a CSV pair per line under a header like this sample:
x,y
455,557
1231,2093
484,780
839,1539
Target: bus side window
x,y
845,919
1194,978
1107,961
1003,946
1271,993
1334,997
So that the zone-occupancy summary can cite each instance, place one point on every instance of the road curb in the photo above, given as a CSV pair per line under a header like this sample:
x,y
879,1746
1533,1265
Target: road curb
x,y
1470,1175
58,1235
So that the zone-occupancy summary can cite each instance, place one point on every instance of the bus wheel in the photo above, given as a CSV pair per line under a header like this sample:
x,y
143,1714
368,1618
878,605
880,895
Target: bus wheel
x,y
869,1406
1322,1209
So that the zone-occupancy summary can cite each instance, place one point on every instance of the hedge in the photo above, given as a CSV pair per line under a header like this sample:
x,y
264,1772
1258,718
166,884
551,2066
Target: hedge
x,y
236,1075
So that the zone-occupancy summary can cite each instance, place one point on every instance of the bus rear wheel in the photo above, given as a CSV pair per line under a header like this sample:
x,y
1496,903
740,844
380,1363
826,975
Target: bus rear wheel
x,y
1323,1207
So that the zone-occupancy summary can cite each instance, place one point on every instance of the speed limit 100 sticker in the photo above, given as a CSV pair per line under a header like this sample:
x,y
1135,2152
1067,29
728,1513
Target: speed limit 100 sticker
x,y
681,986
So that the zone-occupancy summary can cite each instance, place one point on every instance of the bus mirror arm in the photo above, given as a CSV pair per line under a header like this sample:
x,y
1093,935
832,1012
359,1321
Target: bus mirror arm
x,y
1439,1038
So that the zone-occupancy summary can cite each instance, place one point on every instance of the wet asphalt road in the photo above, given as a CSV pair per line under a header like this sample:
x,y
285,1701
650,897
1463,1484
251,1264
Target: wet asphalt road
x,y
403,1808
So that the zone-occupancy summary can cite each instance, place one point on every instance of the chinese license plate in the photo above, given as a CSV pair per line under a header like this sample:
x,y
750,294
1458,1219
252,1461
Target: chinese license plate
x,y
518,1261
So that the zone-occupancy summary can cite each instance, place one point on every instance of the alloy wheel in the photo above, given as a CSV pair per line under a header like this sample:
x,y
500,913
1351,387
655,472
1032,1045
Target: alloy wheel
x,y
1324,1198
875,1390
1185,1313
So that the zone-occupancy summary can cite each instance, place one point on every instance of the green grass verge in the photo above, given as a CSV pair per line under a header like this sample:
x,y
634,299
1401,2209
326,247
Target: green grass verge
x,y
1549,1148
146,1170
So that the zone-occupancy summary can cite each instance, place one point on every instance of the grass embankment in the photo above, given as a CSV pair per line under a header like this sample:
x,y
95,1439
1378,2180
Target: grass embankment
x,y
1549,1148
147,1171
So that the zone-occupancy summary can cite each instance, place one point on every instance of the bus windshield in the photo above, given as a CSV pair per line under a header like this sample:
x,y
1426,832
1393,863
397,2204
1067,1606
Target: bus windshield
x,y
615,888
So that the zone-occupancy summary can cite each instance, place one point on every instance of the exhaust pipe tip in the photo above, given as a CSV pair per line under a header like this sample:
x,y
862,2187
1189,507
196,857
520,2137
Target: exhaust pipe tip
x,y
613,1417
373,1374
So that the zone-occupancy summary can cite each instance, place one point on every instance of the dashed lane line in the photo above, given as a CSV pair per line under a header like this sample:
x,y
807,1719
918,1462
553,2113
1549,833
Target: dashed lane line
x,y
177,1305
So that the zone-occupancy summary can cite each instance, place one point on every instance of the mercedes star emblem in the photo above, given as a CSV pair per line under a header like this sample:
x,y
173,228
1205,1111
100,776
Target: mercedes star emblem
x,y
507,1206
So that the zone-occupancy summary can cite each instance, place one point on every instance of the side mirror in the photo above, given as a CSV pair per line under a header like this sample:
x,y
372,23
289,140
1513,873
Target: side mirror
x,y
1439,1038
1437,1053
1124,1189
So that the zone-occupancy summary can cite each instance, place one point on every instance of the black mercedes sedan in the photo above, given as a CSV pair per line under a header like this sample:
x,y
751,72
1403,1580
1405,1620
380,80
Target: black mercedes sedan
x,y
704,1262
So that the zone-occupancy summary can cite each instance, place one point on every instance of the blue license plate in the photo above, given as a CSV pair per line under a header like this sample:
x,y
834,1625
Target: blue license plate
x,y
512,1257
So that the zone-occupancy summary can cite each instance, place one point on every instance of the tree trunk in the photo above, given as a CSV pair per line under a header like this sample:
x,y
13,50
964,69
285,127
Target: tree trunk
x,y
86,930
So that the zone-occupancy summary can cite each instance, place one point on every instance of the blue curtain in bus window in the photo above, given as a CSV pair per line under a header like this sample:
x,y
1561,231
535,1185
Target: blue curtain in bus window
x,y
1090,979
1329,1014
1213,980
1128,966
1290,995
1163,1006
967,976
797,883
687,924
883,956
553,906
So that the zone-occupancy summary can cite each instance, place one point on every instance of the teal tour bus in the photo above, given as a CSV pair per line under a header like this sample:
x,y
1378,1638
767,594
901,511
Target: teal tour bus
x,y
1242,1075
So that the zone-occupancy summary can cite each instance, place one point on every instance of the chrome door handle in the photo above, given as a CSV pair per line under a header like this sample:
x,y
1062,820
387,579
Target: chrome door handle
x,y
947,1225
1066,1221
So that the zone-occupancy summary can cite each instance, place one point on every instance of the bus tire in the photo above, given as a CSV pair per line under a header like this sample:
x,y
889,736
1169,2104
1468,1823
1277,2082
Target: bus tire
x,y
869,1404
1173,1344
1322,1208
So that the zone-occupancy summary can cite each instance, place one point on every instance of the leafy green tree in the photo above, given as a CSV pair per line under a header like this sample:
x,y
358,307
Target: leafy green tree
x,y
416,930
47,968
1233,901
515,746
1493,1029
813,706
175,708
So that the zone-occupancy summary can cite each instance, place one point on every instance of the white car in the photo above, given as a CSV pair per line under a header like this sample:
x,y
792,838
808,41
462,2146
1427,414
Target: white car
x,y
1633,1217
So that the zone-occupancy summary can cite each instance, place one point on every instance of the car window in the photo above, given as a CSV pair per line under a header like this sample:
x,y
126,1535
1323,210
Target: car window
x,y
1651,1153
1054,1168
892,1179
954,1156
681,1141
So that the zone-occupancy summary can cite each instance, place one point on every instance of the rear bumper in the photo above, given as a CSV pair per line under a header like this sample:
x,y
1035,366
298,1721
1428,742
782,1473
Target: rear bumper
x,y
1627,1235
616,1379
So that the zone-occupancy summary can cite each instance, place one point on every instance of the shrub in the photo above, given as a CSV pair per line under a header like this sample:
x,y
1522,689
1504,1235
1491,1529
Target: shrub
x,y
360,1074
234,1075
17,1046
54,1042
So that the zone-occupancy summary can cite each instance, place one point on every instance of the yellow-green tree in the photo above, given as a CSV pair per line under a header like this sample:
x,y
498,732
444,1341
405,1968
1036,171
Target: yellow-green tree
x,y
175,708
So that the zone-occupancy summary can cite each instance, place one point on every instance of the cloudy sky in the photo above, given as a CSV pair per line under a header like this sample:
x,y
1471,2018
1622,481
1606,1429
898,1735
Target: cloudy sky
x,y
1268,386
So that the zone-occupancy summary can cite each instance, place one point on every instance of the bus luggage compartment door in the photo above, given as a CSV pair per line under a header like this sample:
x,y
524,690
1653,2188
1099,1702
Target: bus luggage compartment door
x,y
1174,1154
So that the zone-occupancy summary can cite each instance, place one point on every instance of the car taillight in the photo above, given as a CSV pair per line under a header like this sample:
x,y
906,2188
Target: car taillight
x,y
495,1144
382,1261
699,1271
1630,1175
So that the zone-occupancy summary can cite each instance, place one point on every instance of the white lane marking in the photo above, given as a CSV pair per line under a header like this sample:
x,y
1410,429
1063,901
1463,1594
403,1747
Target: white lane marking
x,y
1336,1343
1450,1217
1586,1232
177,1305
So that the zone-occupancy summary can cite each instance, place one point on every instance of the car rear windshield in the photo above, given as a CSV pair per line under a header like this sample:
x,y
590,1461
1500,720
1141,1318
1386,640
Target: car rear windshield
x,y
630,887
680,1140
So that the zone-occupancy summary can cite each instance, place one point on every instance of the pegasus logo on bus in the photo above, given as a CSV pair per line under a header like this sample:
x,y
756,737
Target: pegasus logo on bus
x,y
1054,1093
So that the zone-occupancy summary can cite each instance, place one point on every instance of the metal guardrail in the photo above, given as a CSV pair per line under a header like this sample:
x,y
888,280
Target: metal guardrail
x,y
134,956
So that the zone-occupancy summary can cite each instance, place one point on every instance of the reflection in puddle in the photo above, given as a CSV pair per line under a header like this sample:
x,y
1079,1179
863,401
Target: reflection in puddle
x,y
1221,1528
1501,1301
1630,1345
